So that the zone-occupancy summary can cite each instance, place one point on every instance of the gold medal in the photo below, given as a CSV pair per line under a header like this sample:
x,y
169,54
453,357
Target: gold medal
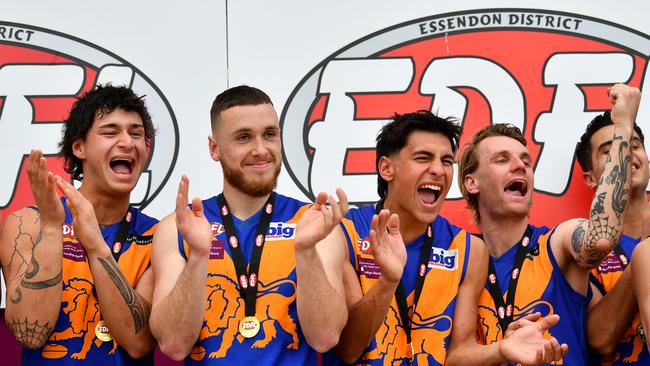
x,y
249,327
102,333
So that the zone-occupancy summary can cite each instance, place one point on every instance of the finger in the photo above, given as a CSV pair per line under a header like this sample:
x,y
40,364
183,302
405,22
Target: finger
x,y
336,209
557,350
565,349
393,224
383,220
343,201
548,352
374,243
321,200
197,207
548,321
32,164
41,170
181,197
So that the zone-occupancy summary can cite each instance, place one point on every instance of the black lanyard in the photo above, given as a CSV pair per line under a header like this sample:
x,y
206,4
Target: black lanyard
x,y
505,310
122,234
622,257
400,295
247,278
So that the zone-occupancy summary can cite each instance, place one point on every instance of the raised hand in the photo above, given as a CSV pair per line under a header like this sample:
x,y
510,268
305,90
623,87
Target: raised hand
x,y
524,341
626,101
192,223
43,188
387,245
84,220
319,220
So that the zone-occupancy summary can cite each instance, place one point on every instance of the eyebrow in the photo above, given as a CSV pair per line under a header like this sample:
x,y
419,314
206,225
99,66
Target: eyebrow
x,y
115,125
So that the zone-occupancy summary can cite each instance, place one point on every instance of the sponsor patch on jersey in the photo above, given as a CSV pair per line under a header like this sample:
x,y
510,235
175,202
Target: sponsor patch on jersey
x,y
217,249
444,259
217,228
364,246
611,263
368,267
73,250
280,231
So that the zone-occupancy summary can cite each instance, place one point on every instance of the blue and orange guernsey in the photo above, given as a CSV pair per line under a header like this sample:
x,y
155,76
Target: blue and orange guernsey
x,y
74,339
541,288
432,318
631,349
280,340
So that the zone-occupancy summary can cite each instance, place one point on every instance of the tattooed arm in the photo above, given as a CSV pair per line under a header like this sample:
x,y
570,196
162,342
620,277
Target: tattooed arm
x,y
587,242
31,250
124,309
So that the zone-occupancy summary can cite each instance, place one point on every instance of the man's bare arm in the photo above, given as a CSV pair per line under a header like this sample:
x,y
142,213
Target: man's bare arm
x,y
179,286
31,249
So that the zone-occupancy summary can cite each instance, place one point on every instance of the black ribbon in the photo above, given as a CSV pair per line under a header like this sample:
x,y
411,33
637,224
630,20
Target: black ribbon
x,y
400,295
247,278
505,310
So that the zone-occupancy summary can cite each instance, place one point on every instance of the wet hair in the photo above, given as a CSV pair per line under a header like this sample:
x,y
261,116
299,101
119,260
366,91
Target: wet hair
x,y
468,160
236,96
393,136
583,149
94,104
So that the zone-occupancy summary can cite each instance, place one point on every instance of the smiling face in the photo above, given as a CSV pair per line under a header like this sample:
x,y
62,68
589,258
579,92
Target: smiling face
x,y
419,175
114,152
503,181
246,142
601,142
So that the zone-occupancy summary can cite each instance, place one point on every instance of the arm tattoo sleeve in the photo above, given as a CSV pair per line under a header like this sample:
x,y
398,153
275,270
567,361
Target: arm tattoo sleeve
x,y
139,307
30,335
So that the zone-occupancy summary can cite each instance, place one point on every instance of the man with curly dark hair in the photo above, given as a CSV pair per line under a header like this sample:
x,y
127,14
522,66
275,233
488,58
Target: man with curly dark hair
x,y
77,268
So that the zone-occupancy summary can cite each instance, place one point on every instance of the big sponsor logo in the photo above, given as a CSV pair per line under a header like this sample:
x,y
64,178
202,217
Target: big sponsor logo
x,y
546,72
42,72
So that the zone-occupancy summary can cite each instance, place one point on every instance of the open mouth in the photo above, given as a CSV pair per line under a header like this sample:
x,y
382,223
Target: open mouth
x,y
121,165
429,193
517,187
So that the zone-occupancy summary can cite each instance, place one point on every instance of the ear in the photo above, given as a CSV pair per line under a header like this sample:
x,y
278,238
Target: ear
x,y
589,179
213,147
79,149
386,169
471,184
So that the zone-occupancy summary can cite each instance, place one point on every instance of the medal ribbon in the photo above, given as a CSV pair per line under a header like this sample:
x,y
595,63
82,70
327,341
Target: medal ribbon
x,y
622,257
505,310
400,295
122,233
247,278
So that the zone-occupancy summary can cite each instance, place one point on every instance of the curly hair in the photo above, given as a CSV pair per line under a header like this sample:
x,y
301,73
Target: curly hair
x,y
94,104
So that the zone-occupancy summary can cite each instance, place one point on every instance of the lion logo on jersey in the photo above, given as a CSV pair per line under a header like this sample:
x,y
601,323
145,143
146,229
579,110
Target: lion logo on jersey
x,y
431,334
82,309
223,314
490,330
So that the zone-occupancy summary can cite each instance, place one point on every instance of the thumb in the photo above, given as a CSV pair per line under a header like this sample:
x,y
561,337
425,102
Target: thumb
x,y
548,321
321,200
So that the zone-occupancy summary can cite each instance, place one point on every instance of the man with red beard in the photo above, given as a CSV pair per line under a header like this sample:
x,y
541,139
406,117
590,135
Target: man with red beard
x,y
619,340
537,268
412,315
78,279
254,278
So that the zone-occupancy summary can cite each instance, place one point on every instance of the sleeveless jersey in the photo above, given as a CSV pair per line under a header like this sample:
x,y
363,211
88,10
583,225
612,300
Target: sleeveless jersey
x,y
280,340
541,288
631,348
73,340
433,315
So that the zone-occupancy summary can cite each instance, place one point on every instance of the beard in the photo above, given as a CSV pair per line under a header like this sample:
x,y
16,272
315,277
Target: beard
x,y
248,185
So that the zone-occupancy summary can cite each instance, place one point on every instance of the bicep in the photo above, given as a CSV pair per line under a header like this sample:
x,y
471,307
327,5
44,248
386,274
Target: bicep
x,y
20,235
166,260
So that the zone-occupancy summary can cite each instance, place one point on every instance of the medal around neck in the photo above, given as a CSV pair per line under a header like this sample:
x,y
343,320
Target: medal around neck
x,y
249,327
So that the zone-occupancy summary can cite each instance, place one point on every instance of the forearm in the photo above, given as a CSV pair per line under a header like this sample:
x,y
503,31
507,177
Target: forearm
x,y
619,307
125,311
471,353
321,308
34,285
605,223
364,319
183,306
